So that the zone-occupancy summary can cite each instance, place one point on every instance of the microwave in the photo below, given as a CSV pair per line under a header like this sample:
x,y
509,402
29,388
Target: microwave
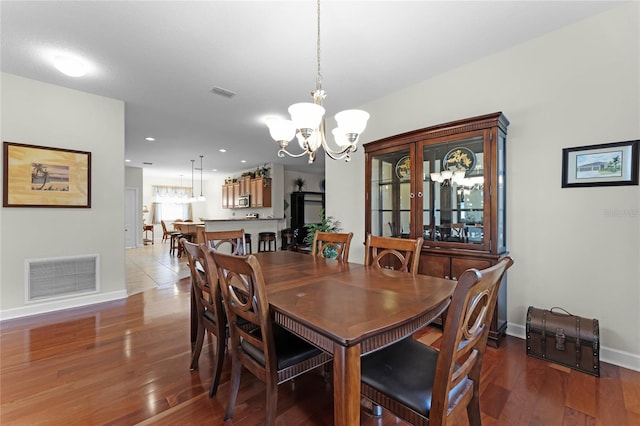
x,y
243,201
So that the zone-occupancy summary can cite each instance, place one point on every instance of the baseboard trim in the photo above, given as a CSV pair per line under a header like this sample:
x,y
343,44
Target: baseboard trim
x,y
609,355
59,305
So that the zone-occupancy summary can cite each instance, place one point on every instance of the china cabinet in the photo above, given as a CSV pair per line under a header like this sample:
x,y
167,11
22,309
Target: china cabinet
x,y
445,183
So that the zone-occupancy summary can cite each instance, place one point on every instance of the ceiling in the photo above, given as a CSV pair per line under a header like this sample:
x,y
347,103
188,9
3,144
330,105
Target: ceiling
x,y
162,58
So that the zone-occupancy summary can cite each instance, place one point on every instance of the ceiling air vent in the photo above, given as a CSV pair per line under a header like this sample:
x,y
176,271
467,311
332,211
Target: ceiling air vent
x,y
223,92
146,163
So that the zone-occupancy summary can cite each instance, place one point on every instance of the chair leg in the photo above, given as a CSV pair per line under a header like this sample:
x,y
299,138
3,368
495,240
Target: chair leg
x,y
195,354
234,386
473,411
218,360
272,403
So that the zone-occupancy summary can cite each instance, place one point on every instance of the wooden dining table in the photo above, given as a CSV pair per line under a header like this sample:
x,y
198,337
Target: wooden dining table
x,y
189,228
348,310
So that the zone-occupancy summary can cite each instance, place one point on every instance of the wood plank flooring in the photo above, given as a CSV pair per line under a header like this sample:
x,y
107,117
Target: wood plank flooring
x,y
127,363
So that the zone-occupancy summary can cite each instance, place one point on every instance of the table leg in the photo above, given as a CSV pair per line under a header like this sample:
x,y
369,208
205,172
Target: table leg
x,y
346,385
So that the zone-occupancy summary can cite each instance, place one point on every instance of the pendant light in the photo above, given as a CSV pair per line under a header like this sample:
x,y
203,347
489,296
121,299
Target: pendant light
x,y
201,197
193,198
307,123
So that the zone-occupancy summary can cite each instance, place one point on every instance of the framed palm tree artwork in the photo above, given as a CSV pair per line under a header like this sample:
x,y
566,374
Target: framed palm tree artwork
x,y
40,176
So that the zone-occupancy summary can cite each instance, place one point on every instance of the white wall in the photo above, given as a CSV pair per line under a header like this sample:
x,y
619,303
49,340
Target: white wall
x,y
43,114
578,248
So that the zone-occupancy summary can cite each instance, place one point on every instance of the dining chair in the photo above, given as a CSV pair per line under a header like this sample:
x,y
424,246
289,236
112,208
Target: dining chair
x,y
232,242
388,251
271,353
208,304
424,386
331,245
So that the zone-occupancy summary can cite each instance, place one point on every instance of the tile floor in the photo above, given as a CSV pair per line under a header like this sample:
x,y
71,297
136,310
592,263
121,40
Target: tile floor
x,y
152,266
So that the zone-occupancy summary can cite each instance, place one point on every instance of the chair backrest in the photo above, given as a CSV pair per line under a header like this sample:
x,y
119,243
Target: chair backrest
x,y
204,281
464,338
404,250
331,245
164,226
231,242
244,294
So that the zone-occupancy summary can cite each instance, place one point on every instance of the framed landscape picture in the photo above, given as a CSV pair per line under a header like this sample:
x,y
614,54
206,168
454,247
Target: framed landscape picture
x,y
40,176
610,164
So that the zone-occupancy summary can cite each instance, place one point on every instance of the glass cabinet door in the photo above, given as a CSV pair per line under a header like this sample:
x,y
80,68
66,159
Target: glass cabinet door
x,y
454,203
391,196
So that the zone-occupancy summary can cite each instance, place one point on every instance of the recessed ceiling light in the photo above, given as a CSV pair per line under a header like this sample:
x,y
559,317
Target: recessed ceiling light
x,y
127,161
243,161
214,170
69,65
150,139
222,150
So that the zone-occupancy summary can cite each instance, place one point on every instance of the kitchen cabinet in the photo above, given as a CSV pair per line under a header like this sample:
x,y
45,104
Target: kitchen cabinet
x,y
227,196
447,184
260,189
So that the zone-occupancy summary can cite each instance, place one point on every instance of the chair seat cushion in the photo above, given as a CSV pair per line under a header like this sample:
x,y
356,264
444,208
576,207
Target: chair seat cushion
x,y
405,371
290,349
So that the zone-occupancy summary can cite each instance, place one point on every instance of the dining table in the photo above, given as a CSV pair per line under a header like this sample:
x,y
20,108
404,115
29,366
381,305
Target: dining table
x,y
348,310
189,228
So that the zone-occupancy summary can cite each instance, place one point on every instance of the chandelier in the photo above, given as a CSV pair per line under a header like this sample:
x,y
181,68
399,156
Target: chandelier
x,y
307,123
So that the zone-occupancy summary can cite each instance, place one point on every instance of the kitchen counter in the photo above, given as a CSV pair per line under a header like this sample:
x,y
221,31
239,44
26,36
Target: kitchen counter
x,y
242,219
250,225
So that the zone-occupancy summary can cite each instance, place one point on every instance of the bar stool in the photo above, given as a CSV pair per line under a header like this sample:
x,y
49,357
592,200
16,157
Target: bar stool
x,y
247,243
286,236
264,241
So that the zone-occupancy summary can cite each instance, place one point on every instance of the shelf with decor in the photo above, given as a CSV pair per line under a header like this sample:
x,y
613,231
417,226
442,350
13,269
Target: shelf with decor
x,y
447,184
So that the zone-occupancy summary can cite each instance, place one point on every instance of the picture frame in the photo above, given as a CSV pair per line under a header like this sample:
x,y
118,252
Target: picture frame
x,y
609,164
41,176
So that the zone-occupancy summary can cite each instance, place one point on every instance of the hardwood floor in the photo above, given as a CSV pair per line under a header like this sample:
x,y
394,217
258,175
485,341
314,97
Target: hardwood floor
x,y
127,362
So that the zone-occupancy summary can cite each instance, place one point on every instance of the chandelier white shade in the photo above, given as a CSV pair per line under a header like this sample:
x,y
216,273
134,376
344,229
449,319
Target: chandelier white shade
x,y
307,123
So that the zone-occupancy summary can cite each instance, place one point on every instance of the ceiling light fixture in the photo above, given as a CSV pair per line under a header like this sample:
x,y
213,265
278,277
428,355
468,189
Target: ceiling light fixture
x,y
201,197
69,65
193,198
307,123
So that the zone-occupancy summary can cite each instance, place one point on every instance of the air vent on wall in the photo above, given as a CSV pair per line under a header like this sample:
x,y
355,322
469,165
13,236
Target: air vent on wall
x,y
222,92
59,277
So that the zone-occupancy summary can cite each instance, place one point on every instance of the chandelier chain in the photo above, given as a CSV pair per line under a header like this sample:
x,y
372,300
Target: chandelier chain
x,y
319,75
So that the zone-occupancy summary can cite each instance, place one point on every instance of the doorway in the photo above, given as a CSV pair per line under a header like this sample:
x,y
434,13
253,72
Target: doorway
x,y
132,233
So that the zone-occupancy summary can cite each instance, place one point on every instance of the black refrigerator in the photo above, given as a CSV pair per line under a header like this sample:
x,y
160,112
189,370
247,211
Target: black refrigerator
x,y
305,208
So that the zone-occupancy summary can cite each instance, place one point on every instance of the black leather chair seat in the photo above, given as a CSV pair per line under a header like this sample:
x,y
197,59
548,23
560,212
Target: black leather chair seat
x,y
290,349
405,371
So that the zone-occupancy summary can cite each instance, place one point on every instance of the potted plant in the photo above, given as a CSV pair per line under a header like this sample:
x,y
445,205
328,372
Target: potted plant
x,y
299,182
327,224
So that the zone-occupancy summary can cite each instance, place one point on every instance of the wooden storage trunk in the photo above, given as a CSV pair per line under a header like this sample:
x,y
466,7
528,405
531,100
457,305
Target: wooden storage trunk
x,y
563,338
